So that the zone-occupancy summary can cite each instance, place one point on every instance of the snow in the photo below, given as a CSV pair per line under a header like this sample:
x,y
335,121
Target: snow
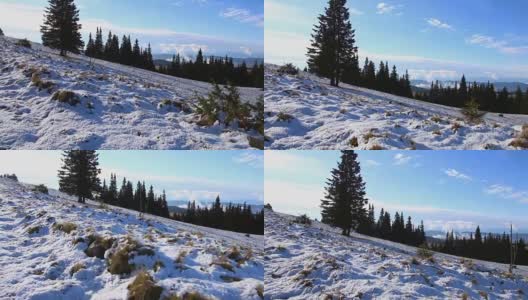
x,y
121,107
37,265
316,262
325,117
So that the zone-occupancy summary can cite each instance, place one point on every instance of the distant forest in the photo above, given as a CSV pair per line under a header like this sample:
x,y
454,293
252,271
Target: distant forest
x,y
490,247
212,69
233,217
333,54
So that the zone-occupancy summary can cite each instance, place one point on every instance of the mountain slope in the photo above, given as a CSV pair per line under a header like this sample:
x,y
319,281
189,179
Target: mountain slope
x,y
316,262
325,117
38,259
119,107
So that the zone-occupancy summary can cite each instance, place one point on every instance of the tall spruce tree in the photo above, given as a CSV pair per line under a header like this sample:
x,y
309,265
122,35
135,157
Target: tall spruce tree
x,y
61,29
344,203
333,48
79,174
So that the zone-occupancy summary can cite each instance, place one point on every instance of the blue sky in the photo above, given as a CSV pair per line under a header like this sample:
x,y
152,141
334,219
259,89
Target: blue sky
x,y
486,39
219,27
185,175
447,189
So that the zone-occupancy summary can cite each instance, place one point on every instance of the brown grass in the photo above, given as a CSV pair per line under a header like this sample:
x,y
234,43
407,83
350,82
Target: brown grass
x,y
76,268
66,227
376,147
354,143
68,97
34,229
223,261
144,288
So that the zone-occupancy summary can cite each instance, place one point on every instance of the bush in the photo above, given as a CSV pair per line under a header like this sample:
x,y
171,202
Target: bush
x,y
66,227
303,219
423,252
64,96
289,69
40,189
24,43
471,110
144,288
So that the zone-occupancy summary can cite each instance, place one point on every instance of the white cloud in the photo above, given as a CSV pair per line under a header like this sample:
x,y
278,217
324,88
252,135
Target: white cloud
x,y
183,49
492,43
372,163
243,15
34,167
448,225
507,192
248,51
431,75
293,198
401,159
250,158
456,174
287,161
438,24
385,8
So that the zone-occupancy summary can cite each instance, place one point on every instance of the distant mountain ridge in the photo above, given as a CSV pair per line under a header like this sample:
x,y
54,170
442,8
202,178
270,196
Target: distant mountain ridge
x,y
164,59
422,85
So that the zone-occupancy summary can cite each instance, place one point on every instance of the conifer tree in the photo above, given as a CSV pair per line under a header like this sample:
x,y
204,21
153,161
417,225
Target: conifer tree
x,y
344,203
333,43
61,29
99,46
90,47
79,174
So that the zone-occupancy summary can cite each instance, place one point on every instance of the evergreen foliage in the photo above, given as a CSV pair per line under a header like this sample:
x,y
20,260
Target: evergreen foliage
x,y
491,247
233,217
79,174
138,199
333,50
61,28
1,32
344,203
10,176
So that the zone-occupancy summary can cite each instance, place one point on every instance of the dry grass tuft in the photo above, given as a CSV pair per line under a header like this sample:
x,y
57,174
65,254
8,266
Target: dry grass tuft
x,y
66,227
68,97
376,147
144,288
354,143
34,229
76,268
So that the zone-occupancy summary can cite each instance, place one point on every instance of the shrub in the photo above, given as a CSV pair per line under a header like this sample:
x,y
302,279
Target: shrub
x,y
284,117
471,110
303,219
144,288
64,96
76,268
260,291
354,143
34,229
423,252
256,142
40,189
289,69
66,227
24,43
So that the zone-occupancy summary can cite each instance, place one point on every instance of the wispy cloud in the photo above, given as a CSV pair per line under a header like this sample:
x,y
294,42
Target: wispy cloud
x,y
401,159
372,163
507,192
438,24
490,42
243,15
456,174
250,158
386,9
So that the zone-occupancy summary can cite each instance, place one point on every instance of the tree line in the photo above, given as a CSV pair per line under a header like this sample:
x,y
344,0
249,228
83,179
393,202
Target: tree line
x,y
136,199
232,217
490,247
345,206
123,53
333,54
484,94
9,176
399,230
61,30
215,69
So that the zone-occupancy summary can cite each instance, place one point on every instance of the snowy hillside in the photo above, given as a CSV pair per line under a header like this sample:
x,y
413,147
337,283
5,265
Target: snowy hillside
x,y
316,262
51,247
119,107
305,112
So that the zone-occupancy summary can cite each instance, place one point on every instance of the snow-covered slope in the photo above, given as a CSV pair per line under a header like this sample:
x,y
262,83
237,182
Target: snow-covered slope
x,y
37,259
326,117
120,107
316,262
